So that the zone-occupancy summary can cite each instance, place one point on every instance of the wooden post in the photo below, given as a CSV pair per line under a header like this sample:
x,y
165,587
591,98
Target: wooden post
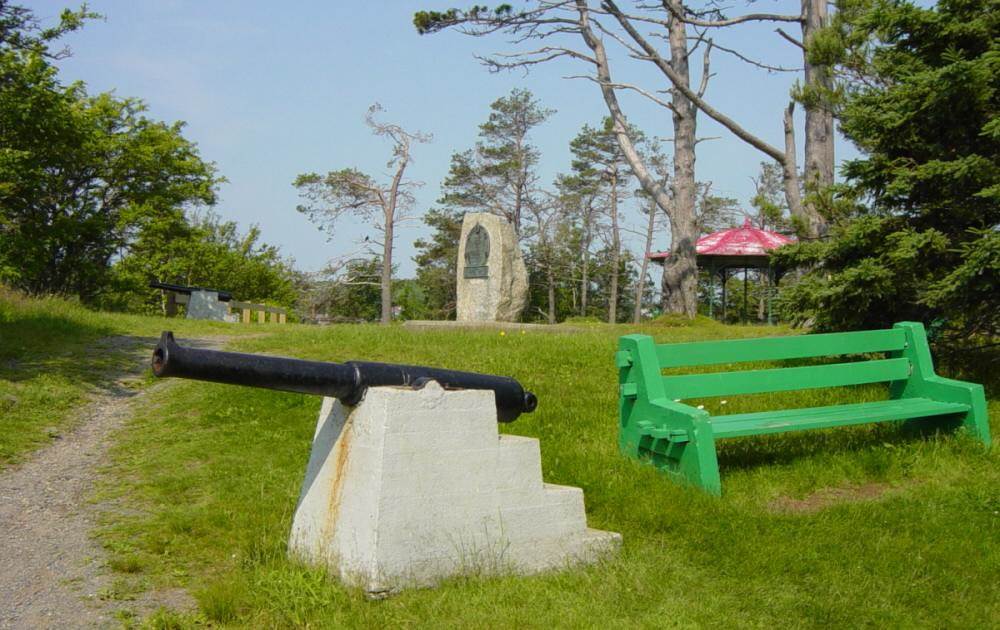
x,y
246,316
281,318
261,317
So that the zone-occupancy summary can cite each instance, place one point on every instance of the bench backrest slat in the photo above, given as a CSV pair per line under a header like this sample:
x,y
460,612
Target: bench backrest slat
x,y
778,348
785,379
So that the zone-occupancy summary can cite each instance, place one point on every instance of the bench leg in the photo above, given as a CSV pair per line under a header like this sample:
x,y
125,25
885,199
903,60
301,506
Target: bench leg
x,y
699,464
975,421
924,383
692,462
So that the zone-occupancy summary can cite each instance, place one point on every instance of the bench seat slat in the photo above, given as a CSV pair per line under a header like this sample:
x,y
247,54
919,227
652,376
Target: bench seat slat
x,y
785,379
779,348
738,425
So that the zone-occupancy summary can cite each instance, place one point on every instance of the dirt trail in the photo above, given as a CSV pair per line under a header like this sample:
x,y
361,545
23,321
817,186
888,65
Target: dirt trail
x,y
52,574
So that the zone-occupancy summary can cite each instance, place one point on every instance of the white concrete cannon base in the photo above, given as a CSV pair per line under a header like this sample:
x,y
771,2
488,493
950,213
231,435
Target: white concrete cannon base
x,y
410,487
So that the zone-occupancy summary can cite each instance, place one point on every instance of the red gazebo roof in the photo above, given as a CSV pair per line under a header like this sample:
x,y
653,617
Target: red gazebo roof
x,y
742,241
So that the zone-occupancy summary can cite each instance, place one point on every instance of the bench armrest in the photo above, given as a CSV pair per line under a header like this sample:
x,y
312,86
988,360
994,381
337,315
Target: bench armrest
x,y
925,383
674,407
678,420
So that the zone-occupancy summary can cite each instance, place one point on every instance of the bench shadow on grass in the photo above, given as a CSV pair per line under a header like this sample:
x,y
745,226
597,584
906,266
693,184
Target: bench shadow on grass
x,y
747,453
753,452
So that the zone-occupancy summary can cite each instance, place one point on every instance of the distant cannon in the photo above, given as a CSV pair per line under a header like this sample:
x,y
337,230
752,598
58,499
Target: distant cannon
x,y
199,302
213,304
344,381
224,296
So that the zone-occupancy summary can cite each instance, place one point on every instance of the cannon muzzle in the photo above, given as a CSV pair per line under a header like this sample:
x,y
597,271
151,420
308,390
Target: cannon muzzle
x,y
344,381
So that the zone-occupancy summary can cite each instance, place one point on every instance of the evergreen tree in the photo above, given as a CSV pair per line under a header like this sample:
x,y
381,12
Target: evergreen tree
x,y
598,160
769,202
918,224
498,174
437,263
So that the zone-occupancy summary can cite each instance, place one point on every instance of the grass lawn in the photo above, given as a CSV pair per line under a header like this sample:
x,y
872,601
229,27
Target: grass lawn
x,y
848,527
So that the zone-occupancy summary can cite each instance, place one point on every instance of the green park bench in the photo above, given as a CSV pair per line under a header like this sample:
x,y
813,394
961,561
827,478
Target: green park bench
x,y
680,439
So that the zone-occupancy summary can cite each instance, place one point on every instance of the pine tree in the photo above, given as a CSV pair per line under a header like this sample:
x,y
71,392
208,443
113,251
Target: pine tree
x,y
918,231
498,174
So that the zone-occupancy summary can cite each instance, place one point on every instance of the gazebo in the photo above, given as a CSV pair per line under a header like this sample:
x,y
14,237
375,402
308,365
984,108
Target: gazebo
x,y
745,248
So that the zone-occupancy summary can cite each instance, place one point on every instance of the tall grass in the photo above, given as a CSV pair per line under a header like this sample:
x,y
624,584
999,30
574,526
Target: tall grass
x,y
52,359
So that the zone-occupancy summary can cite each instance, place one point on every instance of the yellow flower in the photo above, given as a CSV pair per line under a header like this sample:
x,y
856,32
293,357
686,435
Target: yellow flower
x,y
502,333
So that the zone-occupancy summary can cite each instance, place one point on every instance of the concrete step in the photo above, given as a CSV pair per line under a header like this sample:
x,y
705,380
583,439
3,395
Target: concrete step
x,y
560,513
519,468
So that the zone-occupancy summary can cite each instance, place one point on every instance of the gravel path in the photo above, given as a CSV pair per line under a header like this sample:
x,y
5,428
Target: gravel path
x,y
52,573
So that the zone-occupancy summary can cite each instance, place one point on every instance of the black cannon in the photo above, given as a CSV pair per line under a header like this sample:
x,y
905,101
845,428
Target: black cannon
x,y
345,381
224,296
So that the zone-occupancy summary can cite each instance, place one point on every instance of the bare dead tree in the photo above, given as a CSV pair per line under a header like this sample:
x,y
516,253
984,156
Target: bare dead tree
x,y
351,192
588,215
660,164
642,47
553,30
818,83
549,22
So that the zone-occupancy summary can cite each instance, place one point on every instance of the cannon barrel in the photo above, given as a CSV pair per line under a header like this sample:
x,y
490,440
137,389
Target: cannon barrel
x,y
224,296
345,381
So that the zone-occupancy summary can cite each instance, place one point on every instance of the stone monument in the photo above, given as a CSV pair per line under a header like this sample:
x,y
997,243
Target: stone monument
x,y
412,486
492,278
205,304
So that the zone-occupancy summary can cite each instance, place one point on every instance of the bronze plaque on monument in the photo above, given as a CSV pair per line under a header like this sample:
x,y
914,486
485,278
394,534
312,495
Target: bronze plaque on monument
x,y
477,253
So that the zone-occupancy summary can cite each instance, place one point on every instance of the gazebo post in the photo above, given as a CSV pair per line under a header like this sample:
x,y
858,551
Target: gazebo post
x,y
725,302
743,317
727,249
711,289
770,292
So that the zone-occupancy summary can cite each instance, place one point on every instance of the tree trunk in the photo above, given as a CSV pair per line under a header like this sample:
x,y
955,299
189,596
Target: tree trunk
x,y
680,269
550,276
677,71
819,157
585,273
616,246
790,174
387,269
644,267
519,187
683,281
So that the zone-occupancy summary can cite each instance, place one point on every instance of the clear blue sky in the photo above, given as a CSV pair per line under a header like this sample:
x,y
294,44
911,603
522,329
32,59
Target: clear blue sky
x,y
269,90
